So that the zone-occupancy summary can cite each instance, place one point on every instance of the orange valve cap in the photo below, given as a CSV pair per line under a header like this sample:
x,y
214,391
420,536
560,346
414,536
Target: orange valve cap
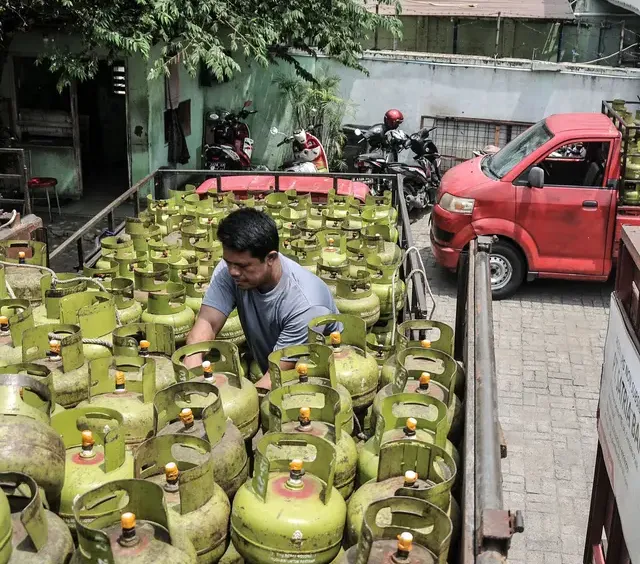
x,y
87,439
144,345
4,322
206,366
295,465
425,344
425,379
331,241
21,255
186,416
54,346
302,369
171,471
405,542
410,477
411,424
120,379
335,338
305,412
128,521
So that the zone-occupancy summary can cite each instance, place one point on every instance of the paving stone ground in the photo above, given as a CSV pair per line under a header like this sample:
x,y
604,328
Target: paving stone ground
x,y
549,345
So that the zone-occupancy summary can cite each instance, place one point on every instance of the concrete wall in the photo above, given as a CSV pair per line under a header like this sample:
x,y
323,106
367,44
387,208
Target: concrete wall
x,y
427,84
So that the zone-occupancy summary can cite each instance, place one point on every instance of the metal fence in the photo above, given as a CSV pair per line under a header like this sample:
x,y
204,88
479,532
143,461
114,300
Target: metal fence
x,y
456,138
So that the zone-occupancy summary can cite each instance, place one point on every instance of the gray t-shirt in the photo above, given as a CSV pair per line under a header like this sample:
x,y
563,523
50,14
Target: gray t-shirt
x,y
278,318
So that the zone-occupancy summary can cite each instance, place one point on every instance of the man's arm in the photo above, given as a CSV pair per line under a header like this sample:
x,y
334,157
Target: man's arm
x,y
218,302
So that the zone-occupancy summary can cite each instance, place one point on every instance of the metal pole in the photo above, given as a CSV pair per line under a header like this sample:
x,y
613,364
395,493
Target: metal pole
x,y
488,472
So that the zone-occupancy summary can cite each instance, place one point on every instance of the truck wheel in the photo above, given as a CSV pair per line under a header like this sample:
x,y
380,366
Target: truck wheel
x,y
507,269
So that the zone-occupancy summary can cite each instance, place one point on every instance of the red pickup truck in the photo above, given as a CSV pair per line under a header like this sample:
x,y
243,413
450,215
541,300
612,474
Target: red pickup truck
x,y
555,197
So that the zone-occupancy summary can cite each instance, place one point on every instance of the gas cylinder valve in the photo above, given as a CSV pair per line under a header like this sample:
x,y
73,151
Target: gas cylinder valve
x,y
128,524
405,544
304,419
87,445
296,471
54,350
425,380
410,427
207,369
4,324
143,349
186,416
303,373
172,474
120,381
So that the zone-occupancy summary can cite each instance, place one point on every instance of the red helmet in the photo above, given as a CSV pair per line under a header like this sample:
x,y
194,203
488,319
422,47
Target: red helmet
x,y
393,118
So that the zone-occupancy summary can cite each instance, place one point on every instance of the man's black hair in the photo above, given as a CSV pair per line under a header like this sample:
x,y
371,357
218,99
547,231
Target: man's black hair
x,y
248,229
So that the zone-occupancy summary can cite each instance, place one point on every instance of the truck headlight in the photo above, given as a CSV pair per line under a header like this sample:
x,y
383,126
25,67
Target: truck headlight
x,y
456,205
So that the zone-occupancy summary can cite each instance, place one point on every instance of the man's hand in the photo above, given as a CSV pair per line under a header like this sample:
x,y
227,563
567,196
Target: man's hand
x,y
193,360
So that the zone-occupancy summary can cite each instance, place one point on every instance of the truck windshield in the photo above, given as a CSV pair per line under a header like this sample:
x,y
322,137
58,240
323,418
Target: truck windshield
x,y
516,150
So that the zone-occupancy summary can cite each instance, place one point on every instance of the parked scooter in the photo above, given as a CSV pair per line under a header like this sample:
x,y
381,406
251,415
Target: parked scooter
x,y
420,180
308,153
228,143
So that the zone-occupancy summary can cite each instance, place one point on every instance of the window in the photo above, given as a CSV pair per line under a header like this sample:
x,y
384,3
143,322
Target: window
x,y
514,152
576,164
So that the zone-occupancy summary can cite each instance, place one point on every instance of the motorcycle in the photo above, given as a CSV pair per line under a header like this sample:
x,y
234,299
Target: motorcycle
x,y
308,153
228,143
421,180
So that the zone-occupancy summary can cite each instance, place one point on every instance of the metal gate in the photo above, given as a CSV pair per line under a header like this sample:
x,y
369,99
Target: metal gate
x,y
456,137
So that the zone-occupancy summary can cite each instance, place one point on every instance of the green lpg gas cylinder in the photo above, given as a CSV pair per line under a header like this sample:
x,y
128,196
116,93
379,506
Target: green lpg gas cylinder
x,y
209,255
356,370
371,237
275,203
122,290
24,281
182,265
433,335
310,226
39,536
95,453
140,232
166,216
333,246
191,233
152,340
128,522
37,372
315,365
4,293
168,308
402,529
195,409
239,396
53,290
195,288
387,285
149,277
60,349
15,318
127,260
330,274
381,220
290,414
183,467
290,511
334,216
232,330
430,426
96,315
354,296
101,273
429,372
28,444
128,385
352,228
110,245
356,258
407,468
380,341
163,249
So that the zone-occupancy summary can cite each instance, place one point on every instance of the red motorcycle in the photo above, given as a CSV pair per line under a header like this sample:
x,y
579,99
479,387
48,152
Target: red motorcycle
x,y
228,144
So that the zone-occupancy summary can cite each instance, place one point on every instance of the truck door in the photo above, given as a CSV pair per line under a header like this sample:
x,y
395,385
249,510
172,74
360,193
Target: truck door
x,y
568,217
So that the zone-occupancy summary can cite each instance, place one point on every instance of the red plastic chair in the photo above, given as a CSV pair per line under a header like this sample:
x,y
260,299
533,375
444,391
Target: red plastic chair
x,y
44,183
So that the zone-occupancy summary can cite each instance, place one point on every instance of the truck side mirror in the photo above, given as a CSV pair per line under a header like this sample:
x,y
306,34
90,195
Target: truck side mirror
x,y
536,177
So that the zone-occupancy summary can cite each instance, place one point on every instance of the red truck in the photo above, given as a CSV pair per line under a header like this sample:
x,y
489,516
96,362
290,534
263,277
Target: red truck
x,y
556,198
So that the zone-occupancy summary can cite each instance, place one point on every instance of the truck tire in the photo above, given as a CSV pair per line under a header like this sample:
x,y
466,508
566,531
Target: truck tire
x,y
508,269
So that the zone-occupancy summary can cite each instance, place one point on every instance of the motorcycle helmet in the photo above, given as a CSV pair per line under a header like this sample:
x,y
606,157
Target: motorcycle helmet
x,y
300,136
393,118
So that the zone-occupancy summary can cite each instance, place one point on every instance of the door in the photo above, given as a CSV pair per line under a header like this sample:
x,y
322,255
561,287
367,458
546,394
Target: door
x,y
568,217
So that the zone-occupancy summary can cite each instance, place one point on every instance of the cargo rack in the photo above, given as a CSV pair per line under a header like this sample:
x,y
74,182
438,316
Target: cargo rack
x,y
629,133
487,527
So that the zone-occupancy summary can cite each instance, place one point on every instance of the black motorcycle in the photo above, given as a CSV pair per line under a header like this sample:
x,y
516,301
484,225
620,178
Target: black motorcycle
x,y
421,180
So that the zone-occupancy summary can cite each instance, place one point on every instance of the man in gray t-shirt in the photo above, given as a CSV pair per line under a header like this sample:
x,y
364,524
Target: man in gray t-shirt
x,y
275,296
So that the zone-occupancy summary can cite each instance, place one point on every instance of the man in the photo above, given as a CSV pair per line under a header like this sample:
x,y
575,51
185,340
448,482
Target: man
x,y
275,296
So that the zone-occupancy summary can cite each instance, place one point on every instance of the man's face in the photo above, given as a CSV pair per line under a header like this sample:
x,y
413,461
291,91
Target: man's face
x,y
247,271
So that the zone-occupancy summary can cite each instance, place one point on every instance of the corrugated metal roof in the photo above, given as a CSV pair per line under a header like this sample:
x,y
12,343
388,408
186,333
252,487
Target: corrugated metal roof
x,y
525,9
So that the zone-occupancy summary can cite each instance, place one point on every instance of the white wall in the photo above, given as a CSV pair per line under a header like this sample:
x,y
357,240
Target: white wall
x,y
477,87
